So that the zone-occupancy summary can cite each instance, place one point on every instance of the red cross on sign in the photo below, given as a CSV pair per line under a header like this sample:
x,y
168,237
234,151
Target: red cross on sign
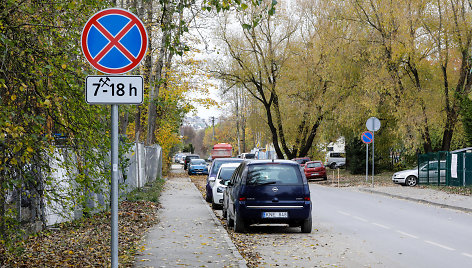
x,y
114,41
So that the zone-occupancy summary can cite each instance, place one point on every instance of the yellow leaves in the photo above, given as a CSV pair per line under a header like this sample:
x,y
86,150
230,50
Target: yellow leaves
x,y
64,66
13,97
47,103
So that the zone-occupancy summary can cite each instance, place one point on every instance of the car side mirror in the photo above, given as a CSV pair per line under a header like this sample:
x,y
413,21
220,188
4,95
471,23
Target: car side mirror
x,y
211,179
228,183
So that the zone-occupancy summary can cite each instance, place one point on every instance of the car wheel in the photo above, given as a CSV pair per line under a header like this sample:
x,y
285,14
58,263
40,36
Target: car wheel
x,y
208,198
215,205
325,178
239,224
332,166
411,180
306,225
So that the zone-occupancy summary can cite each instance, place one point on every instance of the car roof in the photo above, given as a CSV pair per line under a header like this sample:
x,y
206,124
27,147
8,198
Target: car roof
x,y
269,161
229,159
314,161
230,165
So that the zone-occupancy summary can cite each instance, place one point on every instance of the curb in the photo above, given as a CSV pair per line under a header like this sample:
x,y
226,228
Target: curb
x,y
417,200
242,263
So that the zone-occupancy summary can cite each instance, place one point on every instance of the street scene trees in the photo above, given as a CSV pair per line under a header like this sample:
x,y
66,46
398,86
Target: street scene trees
x,y
293,76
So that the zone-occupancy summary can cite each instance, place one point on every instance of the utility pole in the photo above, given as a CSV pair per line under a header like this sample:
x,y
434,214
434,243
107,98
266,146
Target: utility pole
x,y
213,124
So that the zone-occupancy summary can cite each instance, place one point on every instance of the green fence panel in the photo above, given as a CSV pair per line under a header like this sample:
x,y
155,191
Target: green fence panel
x,y
433,168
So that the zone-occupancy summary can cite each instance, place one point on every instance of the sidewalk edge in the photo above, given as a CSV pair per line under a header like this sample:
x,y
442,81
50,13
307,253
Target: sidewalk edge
x,y
417,200
241,261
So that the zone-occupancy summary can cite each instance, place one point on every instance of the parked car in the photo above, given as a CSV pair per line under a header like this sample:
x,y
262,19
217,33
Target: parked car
x,y
410,177
267,191
215,166
187,159
197,166
248,156
302,160
224,174
335,159
178,158
315,170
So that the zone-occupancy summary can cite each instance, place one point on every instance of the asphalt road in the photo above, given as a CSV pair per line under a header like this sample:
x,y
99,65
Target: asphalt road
x,y
395,232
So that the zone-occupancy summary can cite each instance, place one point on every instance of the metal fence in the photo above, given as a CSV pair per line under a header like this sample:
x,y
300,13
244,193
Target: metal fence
x,y
145,165
445,168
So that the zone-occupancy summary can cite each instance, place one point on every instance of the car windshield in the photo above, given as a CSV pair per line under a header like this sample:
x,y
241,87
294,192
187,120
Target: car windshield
x,y
217,164
313,165
197,162
226,173
273,174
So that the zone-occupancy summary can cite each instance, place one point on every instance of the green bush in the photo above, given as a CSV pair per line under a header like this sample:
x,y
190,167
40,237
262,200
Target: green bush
x,y
150,192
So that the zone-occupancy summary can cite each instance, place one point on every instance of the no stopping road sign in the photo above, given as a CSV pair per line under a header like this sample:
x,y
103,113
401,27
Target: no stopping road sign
x,y
114,41
367,137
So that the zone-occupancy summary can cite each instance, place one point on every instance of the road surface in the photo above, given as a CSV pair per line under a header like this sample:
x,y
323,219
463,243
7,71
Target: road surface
x,y
398,232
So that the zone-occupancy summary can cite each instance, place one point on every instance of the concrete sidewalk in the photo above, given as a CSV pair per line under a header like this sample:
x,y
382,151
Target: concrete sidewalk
x,y
188,232
427,196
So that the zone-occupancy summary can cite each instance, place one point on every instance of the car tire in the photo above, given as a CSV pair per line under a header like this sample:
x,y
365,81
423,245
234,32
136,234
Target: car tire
x,y
332,166
325,178
215,205
208,198
411,181
239,224
307,225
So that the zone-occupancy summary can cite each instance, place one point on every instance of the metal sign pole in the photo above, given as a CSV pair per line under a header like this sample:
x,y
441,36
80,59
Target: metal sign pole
x,y
367,163
373,145
114,186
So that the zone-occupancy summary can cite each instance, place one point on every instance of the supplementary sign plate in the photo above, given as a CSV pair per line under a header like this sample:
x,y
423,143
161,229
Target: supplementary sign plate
x,y
114,89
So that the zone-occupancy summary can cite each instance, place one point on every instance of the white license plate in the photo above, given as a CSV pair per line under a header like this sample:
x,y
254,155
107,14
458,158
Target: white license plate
x,y
315,174
275,214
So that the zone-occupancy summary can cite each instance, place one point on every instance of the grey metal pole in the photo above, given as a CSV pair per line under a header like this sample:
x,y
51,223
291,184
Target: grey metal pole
x,y
463,168
367,163
114,186
373,145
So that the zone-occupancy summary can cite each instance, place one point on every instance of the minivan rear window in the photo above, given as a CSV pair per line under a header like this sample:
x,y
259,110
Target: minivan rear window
x,y
273,174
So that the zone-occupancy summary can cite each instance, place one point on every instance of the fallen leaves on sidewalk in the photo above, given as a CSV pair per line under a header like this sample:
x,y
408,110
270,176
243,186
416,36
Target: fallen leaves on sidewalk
x,y
86,242
241,241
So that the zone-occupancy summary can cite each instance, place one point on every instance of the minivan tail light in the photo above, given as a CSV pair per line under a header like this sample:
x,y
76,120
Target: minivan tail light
x,y
242,199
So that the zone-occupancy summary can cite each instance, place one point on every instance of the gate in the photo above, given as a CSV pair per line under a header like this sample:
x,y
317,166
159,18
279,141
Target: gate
x,y
445,168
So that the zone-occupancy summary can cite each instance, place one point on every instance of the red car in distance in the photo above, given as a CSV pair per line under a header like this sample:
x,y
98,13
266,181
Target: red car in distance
x,y
315,170
301,160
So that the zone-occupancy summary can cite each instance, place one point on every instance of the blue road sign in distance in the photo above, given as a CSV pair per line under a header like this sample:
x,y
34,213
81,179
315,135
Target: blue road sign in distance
x,y
114,41
367,137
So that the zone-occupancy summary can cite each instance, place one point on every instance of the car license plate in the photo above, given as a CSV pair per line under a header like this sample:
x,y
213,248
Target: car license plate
x,y
275,214
315,174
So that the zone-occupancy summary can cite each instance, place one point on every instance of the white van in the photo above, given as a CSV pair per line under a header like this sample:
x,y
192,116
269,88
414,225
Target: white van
x,y
335,159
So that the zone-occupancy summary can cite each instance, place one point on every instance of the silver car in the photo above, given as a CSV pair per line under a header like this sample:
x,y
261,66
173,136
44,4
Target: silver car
x,y
410,177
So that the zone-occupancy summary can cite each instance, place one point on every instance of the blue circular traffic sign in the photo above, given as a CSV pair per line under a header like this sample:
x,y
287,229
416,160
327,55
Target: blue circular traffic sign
x,y
367,137
114,41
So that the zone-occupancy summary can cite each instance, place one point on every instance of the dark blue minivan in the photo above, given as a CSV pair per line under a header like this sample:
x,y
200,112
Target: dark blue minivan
x,y
268,191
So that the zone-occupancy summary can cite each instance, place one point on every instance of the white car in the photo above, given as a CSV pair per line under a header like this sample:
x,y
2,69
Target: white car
x,y
410,177
224,174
